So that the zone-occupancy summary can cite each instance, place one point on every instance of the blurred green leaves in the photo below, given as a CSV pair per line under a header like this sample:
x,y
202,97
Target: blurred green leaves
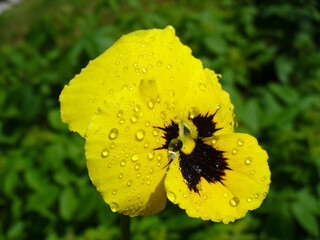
x,y
269,56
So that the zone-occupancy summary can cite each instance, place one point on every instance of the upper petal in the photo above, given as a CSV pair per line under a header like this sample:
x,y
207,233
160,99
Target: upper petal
x,y
134,60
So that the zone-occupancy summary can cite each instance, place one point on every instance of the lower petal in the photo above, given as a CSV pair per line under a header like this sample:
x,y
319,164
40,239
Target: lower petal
x,y
243,187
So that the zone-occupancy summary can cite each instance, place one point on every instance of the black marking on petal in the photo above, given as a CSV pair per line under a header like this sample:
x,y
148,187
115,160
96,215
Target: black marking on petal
x,y
170,132
204,161
205,125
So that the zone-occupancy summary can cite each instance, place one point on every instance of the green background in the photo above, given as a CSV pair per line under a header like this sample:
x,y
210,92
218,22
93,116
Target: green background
x,y
268,53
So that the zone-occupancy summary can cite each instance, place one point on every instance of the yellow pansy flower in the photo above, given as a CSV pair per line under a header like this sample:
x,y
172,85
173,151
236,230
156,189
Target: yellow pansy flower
x,y
158,125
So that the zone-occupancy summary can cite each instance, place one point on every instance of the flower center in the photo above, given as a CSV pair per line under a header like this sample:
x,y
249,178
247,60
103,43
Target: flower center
x,y
197,159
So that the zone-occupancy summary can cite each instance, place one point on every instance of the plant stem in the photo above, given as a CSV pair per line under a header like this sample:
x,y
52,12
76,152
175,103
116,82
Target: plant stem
x,y
125,227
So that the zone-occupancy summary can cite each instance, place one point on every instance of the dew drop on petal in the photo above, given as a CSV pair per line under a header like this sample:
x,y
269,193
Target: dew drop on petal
x,y
144,70
163,114
171,196
155,132
252,172
202,87
151,103
234,151
214,140
140,134
249,199
114,191
137,108
113,133
120,113
120,175
135,157
129,183
234,202
137,167
123,162
114,207
169,66
147,123
264,179
105,153
225,195
134,118
256,196
248,160
193,112
122,121
240,142
150,155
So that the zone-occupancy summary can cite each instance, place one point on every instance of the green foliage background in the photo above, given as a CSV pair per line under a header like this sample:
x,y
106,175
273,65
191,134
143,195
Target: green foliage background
x,y
268,53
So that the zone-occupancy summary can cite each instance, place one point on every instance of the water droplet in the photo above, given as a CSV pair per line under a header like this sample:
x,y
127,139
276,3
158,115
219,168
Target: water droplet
x,y
202,86
248,160
193,112
249,199
155,132
252,172
123,162
264,179
120,175
113,133
163,114
151,170
146,145
109,165
105,153
138,175
147,123
137,108
140,134
151,103
171,196
150,155
144,70
114,191
225,195
122,121
129,183
137,167
125,68
256,195
240,142
112,145
214,140
148,181
169,66
114,207
120,113
234,202
135,157
234,151
159,63
134,118
265,194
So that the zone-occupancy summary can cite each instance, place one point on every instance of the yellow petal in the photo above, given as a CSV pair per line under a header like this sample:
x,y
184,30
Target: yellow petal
x,y
207,96
244,186
155,61
121,159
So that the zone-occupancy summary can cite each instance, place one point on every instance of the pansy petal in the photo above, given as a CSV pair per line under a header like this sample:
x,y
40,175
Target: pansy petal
x,y
244,186
134,61
206,96
121,157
